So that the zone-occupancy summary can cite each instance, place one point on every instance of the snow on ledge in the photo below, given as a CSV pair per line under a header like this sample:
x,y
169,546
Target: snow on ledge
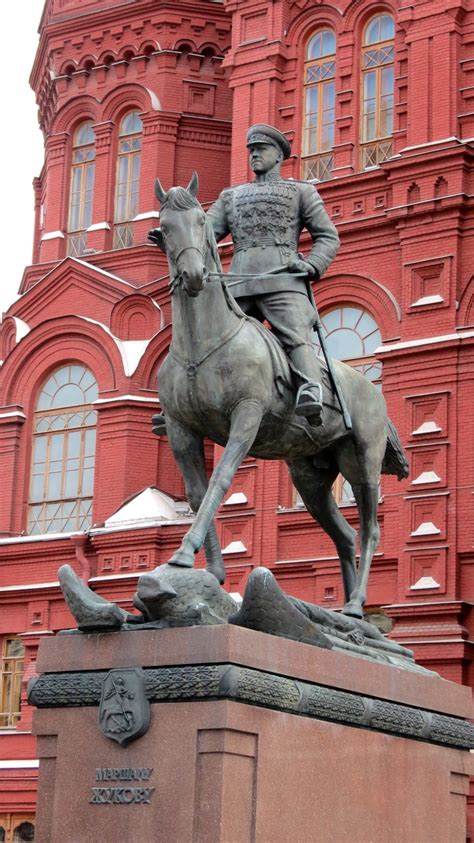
x,y
52,235
101,271
22,329
432,143
147,215
19,763
398,346
141,524
155,102
35,586
15,413
427,528
424,582
426,477
131,351
426,427
38,537
134,351
235,498
126,398
99,226
234,547
436,299
150,505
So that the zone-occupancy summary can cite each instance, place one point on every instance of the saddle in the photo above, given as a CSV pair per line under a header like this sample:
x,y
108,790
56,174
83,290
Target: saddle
x,y
282,367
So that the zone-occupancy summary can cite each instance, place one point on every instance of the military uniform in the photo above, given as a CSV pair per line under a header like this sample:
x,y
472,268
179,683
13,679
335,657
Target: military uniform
x,y
265,219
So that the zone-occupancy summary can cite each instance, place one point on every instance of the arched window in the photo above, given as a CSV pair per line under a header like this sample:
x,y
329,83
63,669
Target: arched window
x,y
82,188
17,828
62,474
351,335
319,105
377,91
23,832
11,674
128,178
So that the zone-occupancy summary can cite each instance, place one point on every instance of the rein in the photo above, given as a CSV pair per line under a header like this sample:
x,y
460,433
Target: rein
x,y
207,249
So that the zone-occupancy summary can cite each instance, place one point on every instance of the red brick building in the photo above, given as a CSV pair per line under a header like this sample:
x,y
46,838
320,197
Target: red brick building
x,y
378,101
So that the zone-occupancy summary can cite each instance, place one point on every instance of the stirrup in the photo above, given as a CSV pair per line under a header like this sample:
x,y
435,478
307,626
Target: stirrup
x,y
308,404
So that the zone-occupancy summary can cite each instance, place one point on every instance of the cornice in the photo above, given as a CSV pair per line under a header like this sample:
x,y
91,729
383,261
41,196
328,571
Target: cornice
x,y
248,686
62,26
93,24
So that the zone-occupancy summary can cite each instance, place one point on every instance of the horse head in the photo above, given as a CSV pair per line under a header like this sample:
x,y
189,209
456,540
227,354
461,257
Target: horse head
x,y
184,236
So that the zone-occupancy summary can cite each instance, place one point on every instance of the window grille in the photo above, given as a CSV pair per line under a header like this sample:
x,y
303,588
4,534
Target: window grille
x,y
319,106
378,54
128,179
82,189
63,456
13,654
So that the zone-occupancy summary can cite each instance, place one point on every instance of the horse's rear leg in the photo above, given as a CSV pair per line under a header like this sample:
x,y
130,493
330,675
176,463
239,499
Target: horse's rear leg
x,y
367,498
245,423
188,451
315,488
360,459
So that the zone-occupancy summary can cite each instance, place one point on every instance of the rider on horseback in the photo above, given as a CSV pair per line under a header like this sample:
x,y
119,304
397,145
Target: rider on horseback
x,y
265,218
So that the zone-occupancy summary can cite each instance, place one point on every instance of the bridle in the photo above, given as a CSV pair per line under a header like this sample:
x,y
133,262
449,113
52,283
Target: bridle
x,y
202,250
187,249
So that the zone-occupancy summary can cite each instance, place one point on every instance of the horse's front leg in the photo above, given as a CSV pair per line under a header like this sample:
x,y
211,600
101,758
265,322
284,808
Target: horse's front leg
x,y
245,423
188,451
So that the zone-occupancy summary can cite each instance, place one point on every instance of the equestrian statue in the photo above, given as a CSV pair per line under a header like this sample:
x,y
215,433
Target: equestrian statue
x,y
262,393
258,392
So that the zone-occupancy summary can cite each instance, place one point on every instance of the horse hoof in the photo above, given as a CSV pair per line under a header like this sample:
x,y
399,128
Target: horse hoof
x,y
353,609
182,558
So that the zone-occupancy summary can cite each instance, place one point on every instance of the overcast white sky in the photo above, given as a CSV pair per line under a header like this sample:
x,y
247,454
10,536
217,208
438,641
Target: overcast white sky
x,y
21,143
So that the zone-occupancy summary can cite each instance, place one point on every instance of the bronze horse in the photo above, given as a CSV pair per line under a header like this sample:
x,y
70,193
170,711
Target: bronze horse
x,y
227,378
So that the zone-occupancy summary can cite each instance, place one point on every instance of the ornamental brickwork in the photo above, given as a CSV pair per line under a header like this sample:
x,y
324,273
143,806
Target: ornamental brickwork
x,y
195,76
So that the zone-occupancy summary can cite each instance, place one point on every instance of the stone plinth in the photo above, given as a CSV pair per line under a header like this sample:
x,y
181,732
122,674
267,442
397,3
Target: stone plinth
x,y
251,738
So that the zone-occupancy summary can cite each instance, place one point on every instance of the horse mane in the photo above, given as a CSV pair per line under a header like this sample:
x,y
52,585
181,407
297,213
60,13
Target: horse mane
x,y
179,199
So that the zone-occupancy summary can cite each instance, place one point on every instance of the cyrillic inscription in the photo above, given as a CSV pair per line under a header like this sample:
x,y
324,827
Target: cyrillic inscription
x,y
103,774
122,795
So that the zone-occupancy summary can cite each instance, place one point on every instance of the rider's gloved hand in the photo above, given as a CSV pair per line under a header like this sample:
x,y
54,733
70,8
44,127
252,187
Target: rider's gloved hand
x,y
299,265
156,237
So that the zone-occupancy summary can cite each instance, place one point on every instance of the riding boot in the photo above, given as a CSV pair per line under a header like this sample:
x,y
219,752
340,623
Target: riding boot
x,y
309,397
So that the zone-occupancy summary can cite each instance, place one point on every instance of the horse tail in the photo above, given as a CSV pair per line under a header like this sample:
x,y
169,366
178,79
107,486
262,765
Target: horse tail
x,y
395,460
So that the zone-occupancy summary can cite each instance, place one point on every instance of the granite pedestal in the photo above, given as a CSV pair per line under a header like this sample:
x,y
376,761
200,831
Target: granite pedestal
x,y
251,738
